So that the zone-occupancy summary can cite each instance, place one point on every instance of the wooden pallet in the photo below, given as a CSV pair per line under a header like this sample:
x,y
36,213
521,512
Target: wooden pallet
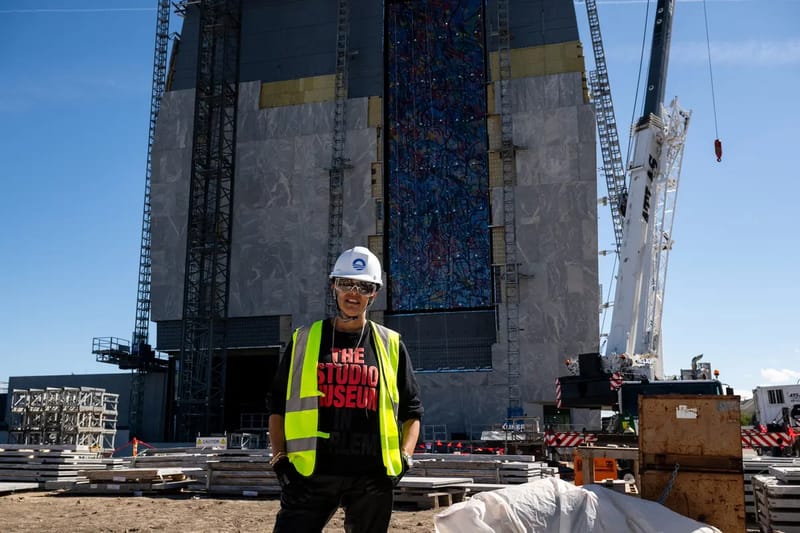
x,y
425,499
431,492
139,475
135,481
135,489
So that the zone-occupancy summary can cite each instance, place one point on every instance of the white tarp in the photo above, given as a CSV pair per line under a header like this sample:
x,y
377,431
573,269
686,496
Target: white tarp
x,y
552,505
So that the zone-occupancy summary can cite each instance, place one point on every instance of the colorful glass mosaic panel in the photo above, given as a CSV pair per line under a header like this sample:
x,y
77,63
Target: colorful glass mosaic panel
x,y
437,180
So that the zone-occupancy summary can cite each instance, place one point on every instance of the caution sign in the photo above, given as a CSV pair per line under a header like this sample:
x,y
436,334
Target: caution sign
x,y
220,443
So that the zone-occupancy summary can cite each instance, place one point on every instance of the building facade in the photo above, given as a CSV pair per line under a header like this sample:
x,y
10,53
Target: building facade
x,y
423,188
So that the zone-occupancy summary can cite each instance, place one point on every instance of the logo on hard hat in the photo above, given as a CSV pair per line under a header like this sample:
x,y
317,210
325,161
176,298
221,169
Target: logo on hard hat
x,y
359,264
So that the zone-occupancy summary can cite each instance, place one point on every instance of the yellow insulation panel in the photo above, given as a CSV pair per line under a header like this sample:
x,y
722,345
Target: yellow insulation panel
x,y
494,131
541,60
498,245
490,99
299,91
377,179
374,111
375,245
495,169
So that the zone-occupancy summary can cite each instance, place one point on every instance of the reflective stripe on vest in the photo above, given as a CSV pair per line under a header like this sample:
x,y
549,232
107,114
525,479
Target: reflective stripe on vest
x,y
301,419
389,399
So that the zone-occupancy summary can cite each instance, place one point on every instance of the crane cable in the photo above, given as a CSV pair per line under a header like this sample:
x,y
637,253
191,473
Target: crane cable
x,y
717,142
638,82
608,297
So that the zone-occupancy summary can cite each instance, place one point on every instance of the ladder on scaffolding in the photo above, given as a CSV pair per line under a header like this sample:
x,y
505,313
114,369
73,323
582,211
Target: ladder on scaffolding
x,y
510,270
142,328
203,356
613,167
338,161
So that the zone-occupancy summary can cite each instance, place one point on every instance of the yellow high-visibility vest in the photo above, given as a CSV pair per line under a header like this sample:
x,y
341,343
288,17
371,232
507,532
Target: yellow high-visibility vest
x,y
301,419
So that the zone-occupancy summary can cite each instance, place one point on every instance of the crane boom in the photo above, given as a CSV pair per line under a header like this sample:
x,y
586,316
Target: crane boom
x,y
636,321
659,59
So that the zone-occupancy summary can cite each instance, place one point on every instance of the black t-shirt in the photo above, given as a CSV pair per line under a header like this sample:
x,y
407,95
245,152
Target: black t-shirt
x,y
349,377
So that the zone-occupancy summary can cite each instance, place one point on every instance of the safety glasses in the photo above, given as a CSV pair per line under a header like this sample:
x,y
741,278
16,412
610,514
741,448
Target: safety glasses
x,y
363,288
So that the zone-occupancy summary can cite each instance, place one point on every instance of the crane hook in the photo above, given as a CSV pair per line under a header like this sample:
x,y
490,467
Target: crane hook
x,y
718,149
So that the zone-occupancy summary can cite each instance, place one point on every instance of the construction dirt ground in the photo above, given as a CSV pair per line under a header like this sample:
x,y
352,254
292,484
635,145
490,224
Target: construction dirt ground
x,y
49,512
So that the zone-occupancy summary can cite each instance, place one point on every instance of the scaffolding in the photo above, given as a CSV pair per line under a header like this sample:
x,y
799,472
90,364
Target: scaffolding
x,y
203,355
139,355
338,161
510,270
83,416
141,333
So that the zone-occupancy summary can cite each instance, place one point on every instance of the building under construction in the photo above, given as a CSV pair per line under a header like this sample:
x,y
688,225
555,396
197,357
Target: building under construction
x,y
454,138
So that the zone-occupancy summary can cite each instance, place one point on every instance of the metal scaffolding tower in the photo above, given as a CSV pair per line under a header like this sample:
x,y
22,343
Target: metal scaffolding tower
x,y
203,355
607,134
140,345
510,269
338,161
141,333
139,355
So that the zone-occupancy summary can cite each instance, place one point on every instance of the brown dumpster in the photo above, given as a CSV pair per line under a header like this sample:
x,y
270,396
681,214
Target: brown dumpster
x,y
690,451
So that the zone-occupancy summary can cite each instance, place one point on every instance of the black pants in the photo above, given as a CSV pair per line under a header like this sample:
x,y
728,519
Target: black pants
x,y
308,503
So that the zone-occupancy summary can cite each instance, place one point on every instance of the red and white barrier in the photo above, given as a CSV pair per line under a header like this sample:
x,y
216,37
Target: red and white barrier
x,y
568,439
753,438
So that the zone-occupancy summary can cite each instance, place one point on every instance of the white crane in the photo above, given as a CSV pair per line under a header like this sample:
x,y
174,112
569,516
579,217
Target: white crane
x,y
643,212
654,174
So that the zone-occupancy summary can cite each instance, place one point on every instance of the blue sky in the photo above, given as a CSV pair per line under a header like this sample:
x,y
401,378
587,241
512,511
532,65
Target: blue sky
x,y
74,109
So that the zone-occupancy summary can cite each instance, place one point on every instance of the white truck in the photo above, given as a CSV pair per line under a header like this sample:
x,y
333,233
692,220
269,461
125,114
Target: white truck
x,y
775,427
778,404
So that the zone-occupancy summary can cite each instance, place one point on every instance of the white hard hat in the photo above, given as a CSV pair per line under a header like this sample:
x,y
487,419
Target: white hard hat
x,y
360,264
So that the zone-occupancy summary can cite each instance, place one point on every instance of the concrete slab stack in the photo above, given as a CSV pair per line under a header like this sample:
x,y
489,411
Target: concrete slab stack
x,y
777,499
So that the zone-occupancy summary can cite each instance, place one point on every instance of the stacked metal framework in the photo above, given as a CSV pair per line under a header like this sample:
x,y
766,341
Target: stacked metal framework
x,y
203,355
84,416
510,269
607,134
338,162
